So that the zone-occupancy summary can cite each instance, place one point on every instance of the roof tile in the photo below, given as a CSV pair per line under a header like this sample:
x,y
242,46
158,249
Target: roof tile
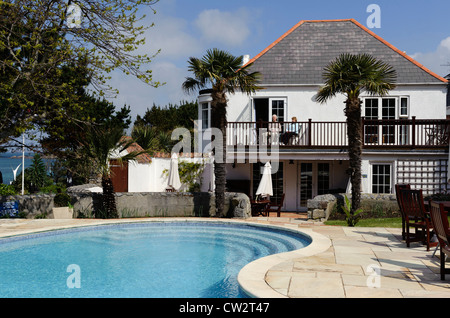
x,y
300,55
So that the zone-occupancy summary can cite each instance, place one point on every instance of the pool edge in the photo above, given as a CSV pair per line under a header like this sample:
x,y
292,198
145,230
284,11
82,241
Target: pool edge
x,y
251,277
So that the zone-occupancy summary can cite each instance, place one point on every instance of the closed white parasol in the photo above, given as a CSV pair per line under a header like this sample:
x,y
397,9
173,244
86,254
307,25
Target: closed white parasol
x,y
174,177
265,186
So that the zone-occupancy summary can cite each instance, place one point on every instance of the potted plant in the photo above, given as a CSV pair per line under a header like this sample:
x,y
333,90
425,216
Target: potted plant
x,y
62,209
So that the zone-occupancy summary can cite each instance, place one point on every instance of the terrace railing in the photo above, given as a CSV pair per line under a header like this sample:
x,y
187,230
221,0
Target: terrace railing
x,y
376,133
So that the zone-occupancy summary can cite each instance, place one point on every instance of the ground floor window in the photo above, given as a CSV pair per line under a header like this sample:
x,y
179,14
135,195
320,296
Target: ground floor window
x,y
381,178
323,178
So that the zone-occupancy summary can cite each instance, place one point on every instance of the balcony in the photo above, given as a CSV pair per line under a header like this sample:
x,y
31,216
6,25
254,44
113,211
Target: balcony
x,y
377,134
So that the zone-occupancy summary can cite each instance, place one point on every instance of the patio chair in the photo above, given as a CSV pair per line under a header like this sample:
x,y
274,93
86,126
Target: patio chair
x,y
441,227
416,217
275,207
398,189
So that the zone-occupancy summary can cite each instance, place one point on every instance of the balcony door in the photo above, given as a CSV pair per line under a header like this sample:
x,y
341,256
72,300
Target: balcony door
x,y
266,107
381,109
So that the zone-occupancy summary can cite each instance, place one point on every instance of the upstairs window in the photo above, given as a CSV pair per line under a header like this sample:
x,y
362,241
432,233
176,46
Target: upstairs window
x,y
205,116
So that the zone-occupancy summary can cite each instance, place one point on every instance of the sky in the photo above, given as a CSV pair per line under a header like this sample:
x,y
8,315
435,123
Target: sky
x,y
185,28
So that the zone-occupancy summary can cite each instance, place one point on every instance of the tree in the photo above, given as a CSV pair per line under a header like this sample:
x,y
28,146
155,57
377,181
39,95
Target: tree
x,y
97,149
61,137
35,177
170,117
226,75
39,44
351,75
153,130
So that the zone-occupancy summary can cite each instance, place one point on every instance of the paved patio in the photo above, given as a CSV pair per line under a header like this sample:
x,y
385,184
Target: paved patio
x,y
338,264
349,266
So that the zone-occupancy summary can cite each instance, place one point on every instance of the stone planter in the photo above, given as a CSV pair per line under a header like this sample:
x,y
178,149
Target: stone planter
x,y
63,213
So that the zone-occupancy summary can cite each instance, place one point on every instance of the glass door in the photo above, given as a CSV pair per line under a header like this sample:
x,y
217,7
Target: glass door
x,y
388,112
306,182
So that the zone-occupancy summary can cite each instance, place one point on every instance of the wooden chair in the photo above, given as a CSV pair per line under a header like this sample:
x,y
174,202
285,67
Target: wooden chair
x,y
442,230
275,207
415,217
398,189
170,190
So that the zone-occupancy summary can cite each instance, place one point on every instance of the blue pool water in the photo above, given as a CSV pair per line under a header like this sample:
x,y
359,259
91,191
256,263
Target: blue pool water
x,y
156,259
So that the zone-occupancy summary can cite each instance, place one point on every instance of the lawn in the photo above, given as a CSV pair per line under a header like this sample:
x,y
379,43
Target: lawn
x,y
374,222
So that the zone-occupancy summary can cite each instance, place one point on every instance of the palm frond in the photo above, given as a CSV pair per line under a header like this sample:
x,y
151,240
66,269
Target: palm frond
x,y
222,71
352,74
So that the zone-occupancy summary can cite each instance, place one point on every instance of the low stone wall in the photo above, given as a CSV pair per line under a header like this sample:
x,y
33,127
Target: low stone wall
x,y
166,204
32,206
321,206
139,204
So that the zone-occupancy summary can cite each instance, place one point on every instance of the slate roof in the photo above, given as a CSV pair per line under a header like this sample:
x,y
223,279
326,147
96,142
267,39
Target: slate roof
x,y
299,56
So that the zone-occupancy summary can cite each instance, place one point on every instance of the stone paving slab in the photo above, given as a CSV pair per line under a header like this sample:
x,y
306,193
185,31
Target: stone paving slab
x,y
346,269
341,262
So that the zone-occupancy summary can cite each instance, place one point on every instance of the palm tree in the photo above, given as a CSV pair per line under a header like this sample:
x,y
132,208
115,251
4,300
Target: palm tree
x,y
351,75
98,148
224,74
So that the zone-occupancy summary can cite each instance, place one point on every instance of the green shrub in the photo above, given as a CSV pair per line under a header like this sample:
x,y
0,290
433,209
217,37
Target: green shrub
x,y
372,208
61,199
6,189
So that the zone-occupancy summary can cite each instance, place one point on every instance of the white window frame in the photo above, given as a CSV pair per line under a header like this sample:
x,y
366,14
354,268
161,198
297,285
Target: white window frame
x,y
391,171
284,100
208,109
398,100
400,115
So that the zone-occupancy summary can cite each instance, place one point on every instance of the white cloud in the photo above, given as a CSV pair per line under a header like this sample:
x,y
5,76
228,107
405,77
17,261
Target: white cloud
x,y
178,39
437,61
172,36
227,28
140,96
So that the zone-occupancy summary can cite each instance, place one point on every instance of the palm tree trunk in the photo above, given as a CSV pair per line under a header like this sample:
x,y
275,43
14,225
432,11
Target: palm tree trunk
x,y
109,200
219,120
354,134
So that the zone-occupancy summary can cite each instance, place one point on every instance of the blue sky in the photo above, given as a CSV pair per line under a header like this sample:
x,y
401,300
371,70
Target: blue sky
x,y
185,28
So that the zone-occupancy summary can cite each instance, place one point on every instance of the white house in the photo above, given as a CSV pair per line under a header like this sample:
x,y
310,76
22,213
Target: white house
x,y
405,133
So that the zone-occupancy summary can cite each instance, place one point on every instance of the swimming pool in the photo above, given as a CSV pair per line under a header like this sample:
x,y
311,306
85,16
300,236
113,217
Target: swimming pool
x,y
151,259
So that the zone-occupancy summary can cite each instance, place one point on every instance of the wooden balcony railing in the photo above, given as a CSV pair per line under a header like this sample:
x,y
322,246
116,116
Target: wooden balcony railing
x,y
385,133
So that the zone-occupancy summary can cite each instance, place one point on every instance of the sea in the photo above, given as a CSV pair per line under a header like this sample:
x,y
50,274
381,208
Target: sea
x,y
9,161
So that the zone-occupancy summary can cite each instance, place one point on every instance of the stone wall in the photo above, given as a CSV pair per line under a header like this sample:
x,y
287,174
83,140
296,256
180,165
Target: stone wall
x,y
139,204
321,206
32,206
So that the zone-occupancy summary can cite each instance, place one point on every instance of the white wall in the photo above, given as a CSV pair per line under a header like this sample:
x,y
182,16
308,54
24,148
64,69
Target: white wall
x,y
139,177
426,102
150,177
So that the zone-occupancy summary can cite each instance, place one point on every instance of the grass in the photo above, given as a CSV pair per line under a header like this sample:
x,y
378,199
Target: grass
x,y
374,222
